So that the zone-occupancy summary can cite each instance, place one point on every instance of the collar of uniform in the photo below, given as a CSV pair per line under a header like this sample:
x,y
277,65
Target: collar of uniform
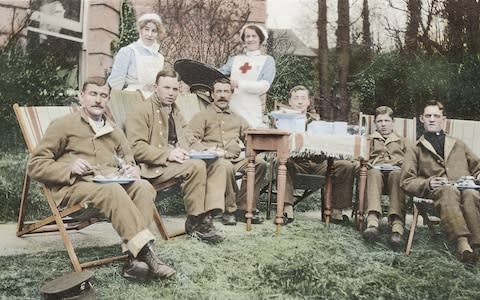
x,y
219,110
107,128
159,103
391,137
152,49
253,53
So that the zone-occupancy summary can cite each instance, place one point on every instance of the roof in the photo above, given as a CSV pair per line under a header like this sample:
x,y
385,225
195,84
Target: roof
x,y
285,40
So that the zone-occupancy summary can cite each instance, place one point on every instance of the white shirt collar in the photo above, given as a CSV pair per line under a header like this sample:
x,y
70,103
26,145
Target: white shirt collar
x,y
253,53
152,49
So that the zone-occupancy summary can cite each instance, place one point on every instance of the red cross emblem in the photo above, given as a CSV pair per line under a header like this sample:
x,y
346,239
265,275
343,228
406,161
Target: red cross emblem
x,y
245,68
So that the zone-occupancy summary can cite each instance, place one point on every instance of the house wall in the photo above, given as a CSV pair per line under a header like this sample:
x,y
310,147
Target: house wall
x,y
101,27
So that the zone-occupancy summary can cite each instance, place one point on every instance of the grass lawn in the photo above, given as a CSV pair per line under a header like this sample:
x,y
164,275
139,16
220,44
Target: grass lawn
x,y
307,261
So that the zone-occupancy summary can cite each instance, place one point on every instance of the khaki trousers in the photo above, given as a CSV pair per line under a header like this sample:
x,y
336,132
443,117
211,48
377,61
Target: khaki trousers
x,y
129,208
204,183
237,199
342,180
459,212
377,182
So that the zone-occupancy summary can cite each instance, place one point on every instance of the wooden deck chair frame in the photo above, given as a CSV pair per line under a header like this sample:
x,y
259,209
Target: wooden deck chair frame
x,y
33,121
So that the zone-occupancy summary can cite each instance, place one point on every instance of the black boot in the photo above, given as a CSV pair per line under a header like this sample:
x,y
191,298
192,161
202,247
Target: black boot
x,y
204,229
135,269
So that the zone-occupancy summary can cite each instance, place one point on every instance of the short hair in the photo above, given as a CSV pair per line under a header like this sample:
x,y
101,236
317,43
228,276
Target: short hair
x,y
382,110
298,88
96,80
257,30
162,33
166,73
222,80
435,103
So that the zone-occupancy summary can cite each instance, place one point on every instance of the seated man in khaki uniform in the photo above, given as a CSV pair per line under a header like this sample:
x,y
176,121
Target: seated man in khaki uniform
x,y
429,171
344,169
220,130
156,132
85,144
387,149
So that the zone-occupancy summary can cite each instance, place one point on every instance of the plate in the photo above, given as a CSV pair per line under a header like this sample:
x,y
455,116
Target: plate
x,y
386,167
118,180
202,155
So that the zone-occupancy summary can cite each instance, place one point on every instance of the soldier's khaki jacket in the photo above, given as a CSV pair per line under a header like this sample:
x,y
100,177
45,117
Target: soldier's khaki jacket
x,y
390,150
70,138
422,163
147,132
214,127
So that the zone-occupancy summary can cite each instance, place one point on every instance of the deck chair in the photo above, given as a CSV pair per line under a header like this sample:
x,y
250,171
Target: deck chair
x,y
34,121
466,131
304,184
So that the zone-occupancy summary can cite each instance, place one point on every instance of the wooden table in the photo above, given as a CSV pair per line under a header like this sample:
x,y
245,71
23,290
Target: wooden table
x,y
261,140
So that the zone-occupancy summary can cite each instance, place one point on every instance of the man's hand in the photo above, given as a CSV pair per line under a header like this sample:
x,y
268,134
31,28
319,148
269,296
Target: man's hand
x,y
81,167
131,171
437,182
179,155
219,151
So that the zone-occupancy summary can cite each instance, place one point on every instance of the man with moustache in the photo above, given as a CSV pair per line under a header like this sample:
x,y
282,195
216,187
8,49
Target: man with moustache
x,y
156,131
219,130
80,146
430,168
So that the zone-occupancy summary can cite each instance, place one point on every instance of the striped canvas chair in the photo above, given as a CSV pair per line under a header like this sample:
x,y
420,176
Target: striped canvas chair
x,y
34,121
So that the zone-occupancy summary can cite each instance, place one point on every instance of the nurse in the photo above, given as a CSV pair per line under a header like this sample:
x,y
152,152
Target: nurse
x,y
136,65
251,75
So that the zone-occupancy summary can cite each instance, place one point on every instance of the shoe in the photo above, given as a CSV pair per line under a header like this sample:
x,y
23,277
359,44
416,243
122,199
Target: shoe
x,y
345,220
396,240
135,269
204,230
229,219
465,252
158,269
287,214
256,219
371,234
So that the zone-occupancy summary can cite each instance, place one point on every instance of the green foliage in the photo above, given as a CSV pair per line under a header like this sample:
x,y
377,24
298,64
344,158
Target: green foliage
x,y
291,71
127,28
33,78
405,84
12,172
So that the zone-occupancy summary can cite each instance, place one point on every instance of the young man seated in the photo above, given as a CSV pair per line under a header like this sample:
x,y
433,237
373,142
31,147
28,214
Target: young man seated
x,y
156,132
388,149
344,170
220,130
80,146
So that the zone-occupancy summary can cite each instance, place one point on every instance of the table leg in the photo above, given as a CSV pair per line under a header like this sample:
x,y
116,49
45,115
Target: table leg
x,y
250,191
361,194
328,191
281,182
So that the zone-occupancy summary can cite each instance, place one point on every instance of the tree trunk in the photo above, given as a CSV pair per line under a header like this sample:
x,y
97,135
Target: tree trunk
x,y
367,37
414,17
343,59
454,11
472,10
323,105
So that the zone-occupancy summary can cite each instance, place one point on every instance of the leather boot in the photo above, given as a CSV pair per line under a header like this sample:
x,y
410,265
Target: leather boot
x,y
371,232
158,269
464,250
135,269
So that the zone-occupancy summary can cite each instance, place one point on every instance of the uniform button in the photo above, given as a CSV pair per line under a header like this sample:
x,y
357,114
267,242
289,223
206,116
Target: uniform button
x,y
161,133
157,171
159,122
159,146
223,131
158,110
224,142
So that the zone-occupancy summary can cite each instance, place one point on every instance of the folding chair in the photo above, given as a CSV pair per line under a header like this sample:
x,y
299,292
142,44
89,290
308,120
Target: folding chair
x,y
34,121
